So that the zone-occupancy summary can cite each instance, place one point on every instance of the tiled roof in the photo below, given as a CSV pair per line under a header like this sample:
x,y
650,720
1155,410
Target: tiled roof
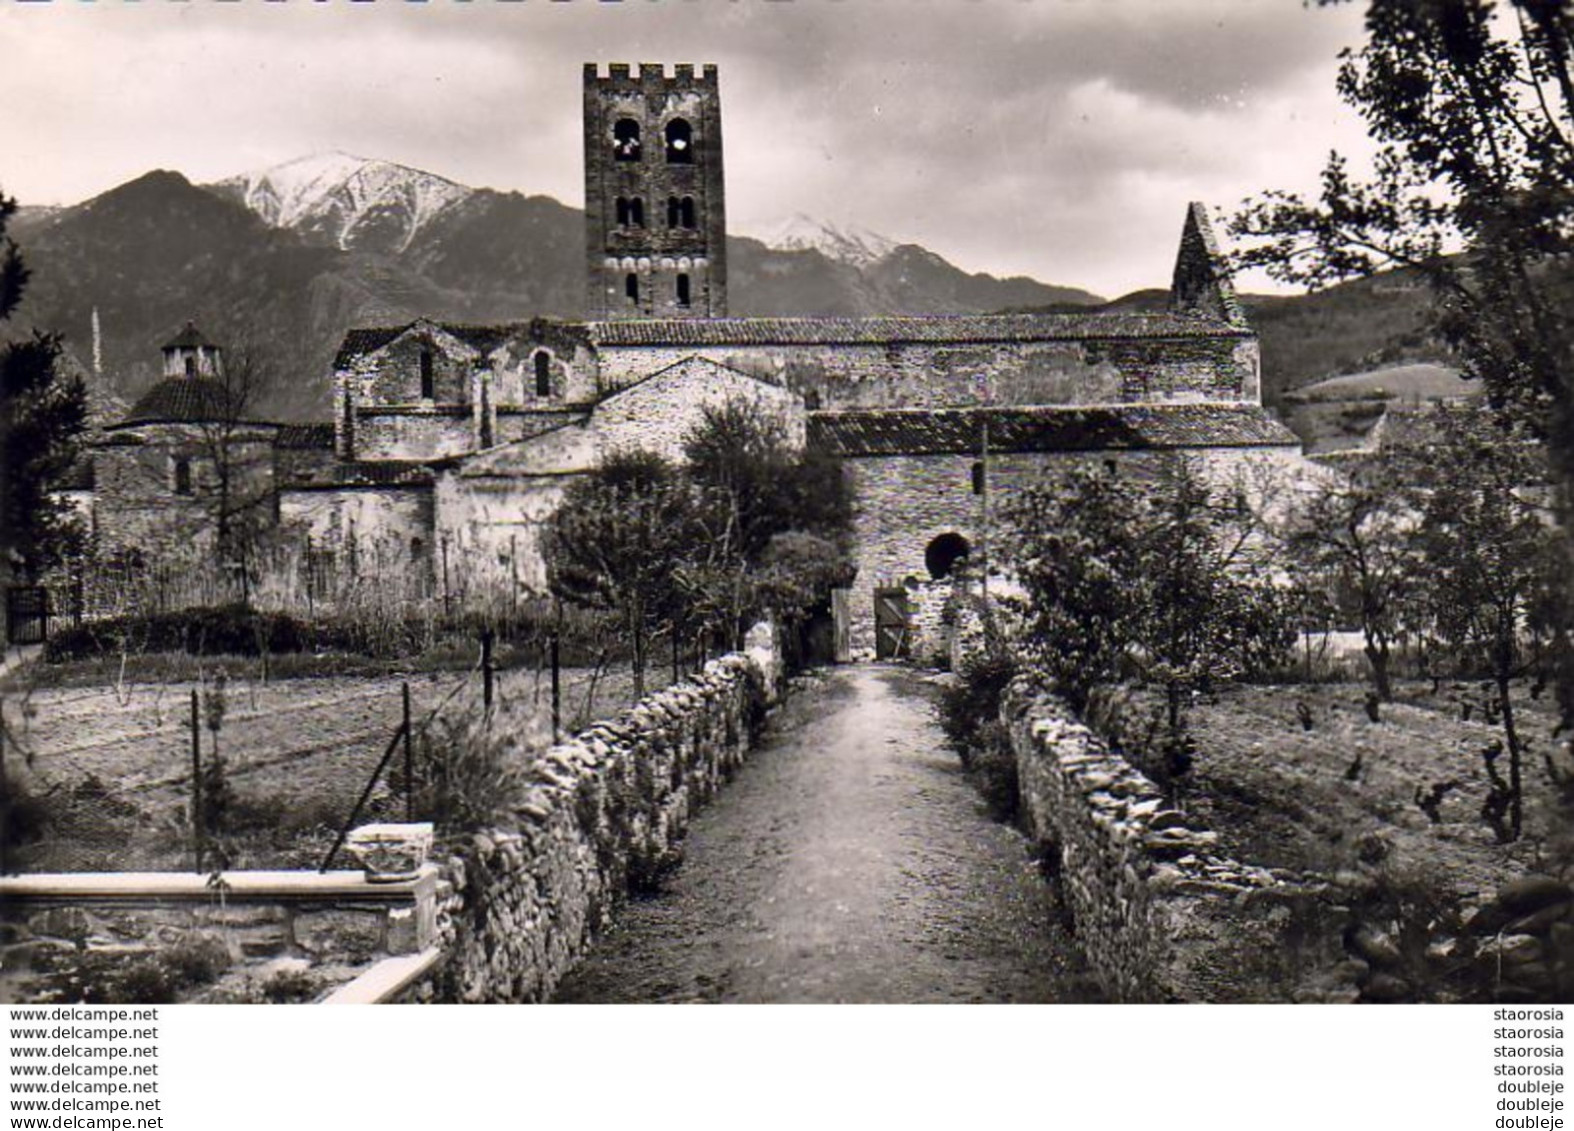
x,y
367,340
184,400
929,328
827,331
362,473
189,338
949,431
306,436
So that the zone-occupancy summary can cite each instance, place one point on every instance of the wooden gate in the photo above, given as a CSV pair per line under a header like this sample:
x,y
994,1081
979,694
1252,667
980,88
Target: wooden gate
x,y
26,614
890,624
842,625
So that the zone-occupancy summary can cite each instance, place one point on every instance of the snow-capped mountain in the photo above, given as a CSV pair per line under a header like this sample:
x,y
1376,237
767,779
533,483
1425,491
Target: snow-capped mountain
x,y
352,203
849,244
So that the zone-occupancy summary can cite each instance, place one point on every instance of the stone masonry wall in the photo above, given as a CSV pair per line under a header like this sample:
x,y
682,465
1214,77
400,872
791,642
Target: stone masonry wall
x,y
1159,914
931,375
607,811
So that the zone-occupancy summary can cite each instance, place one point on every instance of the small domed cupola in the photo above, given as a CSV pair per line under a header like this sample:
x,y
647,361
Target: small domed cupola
x,y
190,354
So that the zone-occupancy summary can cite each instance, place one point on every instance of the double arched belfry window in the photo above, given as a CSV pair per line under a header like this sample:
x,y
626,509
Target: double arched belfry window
x,y
680,212
677,134
630,212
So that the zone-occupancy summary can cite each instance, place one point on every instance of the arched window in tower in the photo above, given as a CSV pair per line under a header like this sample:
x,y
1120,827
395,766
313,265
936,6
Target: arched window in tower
x,y
637,212
428,381
680,142
191,365
978,479
684,296
680,212
631,288
543,362
183,477
625,140
623,211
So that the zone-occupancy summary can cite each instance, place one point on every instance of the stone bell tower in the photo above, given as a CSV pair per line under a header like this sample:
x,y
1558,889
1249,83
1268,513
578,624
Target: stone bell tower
x,y
655,214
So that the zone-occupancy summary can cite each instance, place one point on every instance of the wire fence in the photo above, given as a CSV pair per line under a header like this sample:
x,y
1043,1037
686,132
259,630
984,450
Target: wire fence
x,y
102,779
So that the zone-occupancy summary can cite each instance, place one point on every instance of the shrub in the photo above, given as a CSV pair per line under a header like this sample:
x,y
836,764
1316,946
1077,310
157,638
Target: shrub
x,y
473,772
287,987
97,978
994,771
25,817
226,630
972,703
970,716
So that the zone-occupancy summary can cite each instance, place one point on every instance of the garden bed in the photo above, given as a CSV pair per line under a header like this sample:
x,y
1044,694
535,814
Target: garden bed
x,y
107,765
1283,795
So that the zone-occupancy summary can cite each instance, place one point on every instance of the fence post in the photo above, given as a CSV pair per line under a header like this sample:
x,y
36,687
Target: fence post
x,y
5,799
443,545
409,761
513,590
196,781
486,669
557,695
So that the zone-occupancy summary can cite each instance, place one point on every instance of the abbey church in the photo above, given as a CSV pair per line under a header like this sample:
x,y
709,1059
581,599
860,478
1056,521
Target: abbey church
x,y
460,439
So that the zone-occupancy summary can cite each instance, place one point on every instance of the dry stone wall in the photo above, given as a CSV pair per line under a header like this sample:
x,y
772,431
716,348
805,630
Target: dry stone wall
x,y
607,813
1160,914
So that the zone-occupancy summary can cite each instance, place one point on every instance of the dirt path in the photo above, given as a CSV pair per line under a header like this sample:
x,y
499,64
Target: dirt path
x,y
848,861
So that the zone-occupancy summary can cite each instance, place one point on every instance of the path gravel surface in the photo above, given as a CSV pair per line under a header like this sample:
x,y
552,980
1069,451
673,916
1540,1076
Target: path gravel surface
x,y
848,861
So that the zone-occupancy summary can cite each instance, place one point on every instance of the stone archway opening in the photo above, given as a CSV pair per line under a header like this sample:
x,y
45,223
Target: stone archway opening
x,y
942,554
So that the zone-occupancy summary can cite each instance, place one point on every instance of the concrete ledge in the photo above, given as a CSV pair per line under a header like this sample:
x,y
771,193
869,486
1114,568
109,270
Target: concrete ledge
x,y
386,980
175,887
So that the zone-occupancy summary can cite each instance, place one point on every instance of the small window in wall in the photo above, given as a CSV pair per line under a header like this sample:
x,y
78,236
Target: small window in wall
x,y
1112,467
680,142
811,400
978,479
623,211
625,140
543,363
427,381
183,477
191,365
631,287
417,549
684,295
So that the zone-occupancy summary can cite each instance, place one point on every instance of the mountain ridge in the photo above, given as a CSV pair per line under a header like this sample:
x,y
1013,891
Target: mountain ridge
x,y
324,254
282,263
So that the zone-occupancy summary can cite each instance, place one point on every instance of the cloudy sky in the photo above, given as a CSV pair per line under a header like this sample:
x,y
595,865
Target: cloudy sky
x,y
1053,138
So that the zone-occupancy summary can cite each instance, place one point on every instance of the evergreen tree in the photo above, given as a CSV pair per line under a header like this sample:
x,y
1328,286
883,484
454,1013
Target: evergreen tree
x,y
42,414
